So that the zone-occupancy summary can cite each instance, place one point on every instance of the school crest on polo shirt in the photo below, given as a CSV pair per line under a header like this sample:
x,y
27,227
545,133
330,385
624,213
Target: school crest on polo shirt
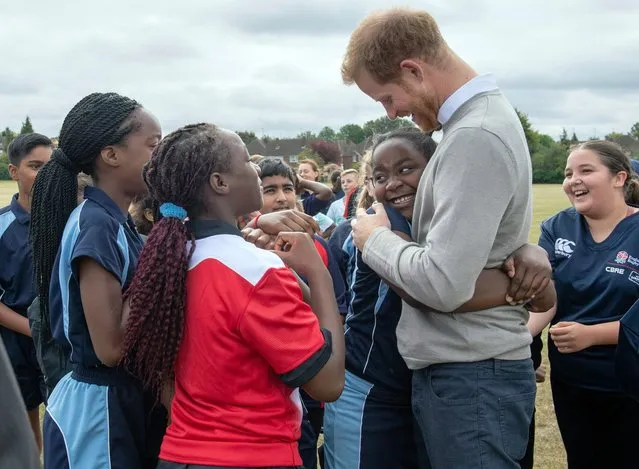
x,y
622,263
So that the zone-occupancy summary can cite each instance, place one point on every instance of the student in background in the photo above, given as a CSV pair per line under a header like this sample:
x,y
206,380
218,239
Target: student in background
x,y
278,194
594,250
349,185
144,213
336,182
84,257
27,154
219,305
316,197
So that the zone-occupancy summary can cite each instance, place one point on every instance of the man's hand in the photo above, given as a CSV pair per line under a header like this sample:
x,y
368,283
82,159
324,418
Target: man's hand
x,y
540,373
571,337
364,224
530,272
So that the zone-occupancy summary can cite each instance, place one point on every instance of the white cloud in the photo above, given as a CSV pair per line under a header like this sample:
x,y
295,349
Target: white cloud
x,y
274,66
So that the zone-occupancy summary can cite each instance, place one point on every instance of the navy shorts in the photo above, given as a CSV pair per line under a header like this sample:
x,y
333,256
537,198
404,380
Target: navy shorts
x,y
101,418
23,358
370,428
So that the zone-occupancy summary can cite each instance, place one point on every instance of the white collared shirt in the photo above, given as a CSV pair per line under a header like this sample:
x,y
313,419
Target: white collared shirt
x,y
479,84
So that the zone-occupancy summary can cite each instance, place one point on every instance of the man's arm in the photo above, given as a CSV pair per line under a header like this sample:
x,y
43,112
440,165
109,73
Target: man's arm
x,y
473,185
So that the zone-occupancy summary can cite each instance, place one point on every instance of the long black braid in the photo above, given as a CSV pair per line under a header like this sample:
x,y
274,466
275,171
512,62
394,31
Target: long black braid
x,y
97,121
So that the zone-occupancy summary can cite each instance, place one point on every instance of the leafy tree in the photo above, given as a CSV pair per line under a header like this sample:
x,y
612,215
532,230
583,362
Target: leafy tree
x,y
8,136
327,134
352,132
27,128
634,130
308,154
545,140
613,136
574,140
247,136
384,124
308,135
4,167
549,163
563,138
532,136
328,151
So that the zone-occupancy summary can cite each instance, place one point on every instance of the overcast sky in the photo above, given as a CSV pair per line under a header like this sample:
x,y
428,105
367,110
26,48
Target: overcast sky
x,y
272,66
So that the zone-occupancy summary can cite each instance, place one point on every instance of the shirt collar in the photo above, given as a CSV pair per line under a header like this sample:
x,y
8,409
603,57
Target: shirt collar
x,y
20,213
102,199
477,85
206,228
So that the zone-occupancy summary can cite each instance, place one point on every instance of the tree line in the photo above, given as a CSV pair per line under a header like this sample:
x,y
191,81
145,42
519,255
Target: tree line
x,y
548,156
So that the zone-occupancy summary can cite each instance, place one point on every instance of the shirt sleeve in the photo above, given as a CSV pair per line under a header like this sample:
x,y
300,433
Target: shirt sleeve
x,y
333,212
312,205
547,241
284,329
98,240
471,196
339,284
336,244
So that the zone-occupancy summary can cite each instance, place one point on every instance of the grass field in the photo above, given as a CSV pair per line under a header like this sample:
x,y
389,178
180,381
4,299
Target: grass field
x,y
549,452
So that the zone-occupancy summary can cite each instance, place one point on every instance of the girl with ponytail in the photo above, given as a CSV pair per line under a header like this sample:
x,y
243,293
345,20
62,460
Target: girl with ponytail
x,y
84,258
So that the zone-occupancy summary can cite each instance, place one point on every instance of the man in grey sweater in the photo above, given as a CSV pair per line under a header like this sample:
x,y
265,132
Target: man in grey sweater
x,y
473,382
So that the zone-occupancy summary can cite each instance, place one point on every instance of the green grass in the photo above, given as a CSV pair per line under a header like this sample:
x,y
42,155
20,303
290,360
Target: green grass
x,y
7,189
549,452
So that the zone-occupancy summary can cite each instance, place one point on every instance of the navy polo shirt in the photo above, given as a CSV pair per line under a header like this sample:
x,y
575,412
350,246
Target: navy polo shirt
x,y
99,230
312,205
595,283
373,314
17,289
336,245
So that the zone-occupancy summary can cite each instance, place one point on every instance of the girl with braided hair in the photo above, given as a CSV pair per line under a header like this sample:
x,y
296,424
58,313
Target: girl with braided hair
x,y
84,257
222,322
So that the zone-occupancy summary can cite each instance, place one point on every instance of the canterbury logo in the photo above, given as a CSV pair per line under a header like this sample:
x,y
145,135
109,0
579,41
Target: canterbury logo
x,y
564,247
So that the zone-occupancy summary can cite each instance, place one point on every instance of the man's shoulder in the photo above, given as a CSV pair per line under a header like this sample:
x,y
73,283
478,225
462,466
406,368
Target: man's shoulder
x,y
490,114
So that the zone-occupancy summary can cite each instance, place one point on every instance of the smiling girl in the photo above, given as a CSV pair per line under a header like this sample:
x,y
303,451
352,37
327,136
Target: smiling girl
x,y
372,424
594,250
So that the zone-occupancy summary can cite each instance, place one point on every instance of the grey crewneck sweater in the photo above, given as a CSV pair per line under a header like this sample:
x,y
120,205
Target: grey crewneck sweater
x,y
473,208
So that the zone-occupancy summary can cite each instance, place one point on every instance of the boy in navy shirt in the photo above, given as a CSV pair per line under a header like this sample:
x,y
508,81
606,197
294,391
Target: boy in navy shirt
x,y
278,193
27,154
